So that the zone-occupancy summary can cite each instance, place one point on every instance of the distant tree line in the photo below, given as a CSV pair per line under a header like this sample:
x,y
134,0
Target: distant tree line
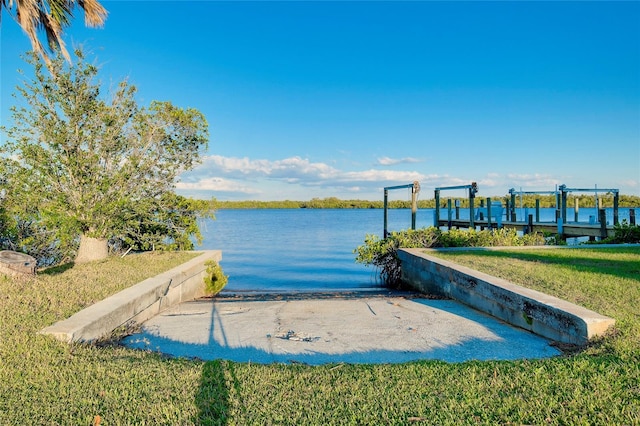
x,y
529,200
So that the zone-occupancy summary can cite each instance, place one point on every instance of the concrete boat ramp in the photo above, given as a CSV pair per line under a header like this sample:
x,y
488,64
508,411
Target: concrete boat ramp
x,y
478,317
388,327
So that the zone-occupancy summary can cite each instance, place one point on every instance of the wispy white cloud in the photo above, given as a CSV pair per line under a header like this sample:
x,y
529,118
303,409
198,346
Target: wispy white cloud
x,y
216,184
629,183
244,175
373,175
387,161
290,169
488,183
300,178
533,181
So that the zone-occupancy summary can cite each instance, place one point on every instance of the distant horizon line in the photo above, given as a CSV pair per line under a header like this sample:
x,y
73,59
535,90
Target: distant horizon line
x,y
329,198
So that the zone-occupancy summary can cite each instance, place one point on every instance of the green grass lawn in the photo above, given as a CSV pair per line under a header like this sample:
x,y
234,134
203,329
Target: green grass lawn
x,y
43,381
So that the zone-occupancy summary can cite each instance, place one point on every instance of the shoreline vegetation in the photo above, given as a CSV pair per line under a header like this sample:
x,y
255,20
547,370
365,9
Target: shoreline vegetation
x,y
546,201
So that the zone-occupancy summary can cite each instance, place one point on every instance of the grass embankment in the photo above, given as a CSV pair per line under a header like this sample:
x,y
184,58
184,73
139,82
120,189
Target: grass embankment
x,y
43,381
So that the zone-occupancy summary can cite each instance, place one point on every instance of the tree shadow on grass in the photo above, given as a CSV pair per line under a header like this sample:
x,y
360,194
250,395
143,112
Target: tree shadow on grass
x,y
616,267
57,270
212,398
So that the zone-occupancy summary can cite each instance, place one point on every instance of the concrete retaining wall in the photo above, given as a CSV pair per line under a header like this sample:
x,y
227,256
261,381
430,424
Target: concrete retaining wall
x,y
138,303
532,310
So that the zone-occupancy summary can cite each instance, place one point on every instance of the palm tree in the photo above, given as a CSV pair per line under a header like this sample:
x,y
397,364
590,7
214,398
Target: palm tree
x,y
52,16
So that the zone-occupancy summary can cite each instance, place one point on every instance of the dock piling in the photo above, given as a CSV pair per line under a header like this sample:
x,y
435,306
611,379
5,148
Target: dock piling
x,y
602,213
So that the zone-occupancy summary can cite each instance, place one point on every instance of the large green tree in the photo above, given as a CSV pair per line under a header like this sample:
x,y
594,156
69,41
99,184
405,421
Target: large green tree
x,y
51,17
100,167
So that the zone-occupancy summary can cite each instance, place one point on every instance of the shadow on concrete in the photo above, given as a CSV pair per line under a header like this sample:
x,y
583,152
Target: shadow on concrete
x,y
477,337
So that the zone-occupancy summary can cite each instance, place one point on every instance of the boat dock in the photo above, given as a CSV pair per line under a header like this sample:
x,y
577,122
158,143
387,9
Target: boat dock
x,y
492,214
485,213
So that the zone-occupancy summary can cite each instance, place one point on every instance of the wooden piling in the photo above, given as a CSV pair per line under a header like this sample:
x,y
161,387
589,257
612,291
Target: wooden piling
x,y
414,203
560,224
436,215
386,197
602,213
471,219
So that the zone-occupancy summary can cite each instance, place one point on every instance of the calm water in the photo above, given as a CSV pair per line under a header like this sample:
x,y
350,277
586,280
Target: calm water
x,y
311,249
298,249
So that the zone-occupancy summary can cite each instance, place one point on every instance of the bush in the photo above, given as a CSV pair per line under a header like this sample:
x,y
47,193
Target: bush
x,y
24,233
382,253
215,279
624,233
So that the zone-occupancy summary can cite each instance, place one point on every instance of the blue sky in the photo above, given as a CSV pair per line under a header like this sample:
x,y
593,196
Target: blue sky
x,y
340,99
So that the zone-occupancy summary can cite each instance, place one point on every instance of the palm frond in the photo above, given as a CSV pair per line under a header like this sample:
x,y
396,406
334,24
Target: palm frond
x,y
51,17
94,13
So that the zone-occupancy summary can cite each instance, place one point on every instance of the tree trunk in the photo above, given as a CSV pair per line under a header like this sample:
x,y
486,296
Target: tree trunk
x,y
92,249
